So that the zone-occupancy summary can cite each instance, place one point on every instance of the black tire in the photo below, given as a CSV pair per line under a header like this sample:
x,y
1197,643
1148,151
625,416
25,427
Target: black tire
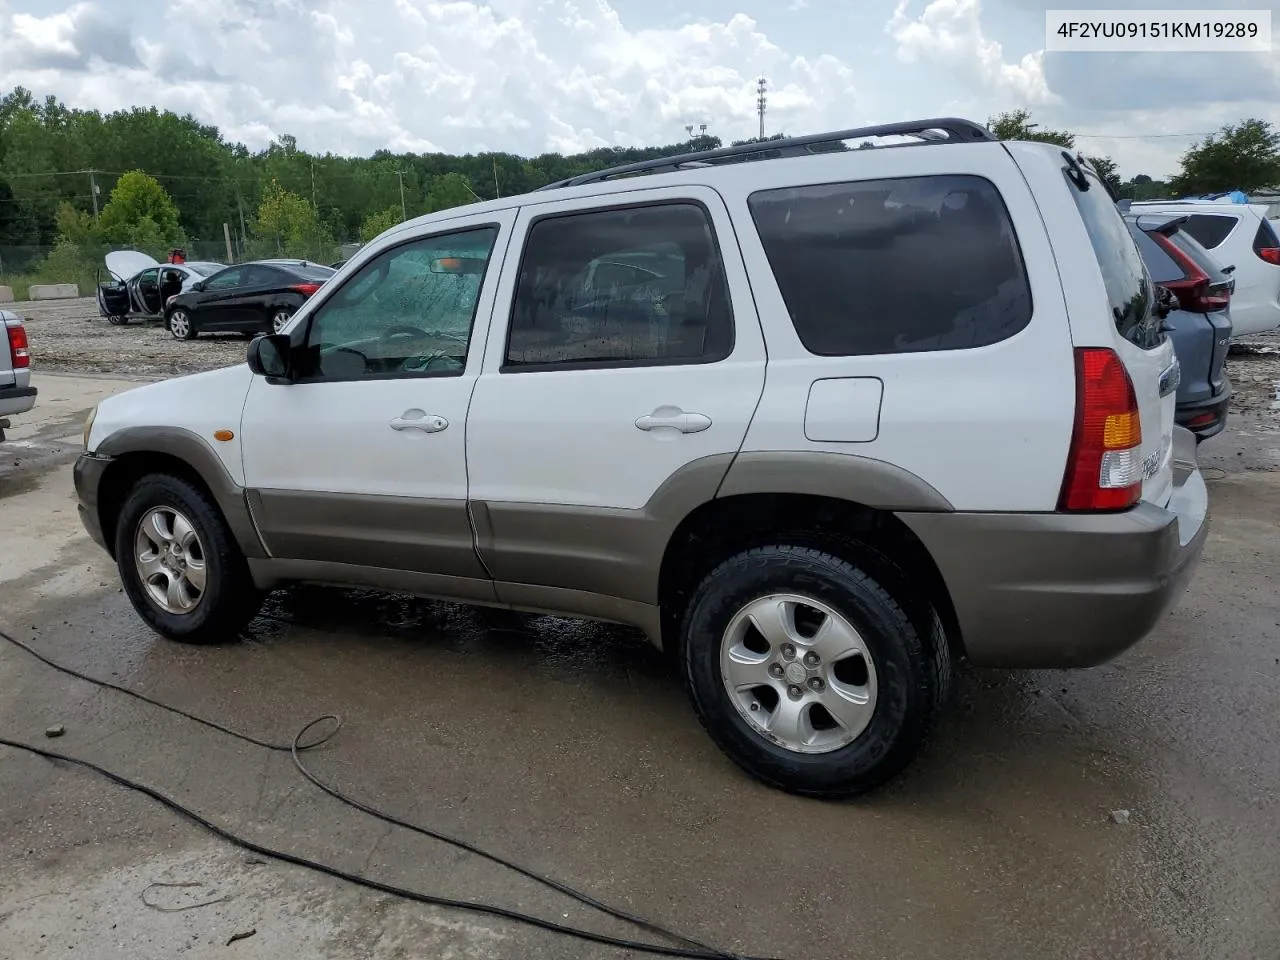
x,y
913,671
229,599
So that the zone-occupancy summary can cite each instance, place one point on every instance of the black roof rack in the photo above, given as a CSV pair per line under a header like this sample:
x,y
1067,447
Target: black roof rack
x,y
936,130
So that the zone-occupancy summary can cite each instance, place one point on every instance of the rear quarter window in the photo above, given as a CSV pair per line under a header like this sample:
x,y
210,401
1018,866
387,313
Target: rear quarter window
x,y
1265,237
897,265
1210,229
1126,279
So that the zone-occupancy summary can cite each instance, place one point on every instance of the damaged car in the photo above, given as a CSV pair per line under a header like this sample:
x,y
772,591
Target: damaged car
x,y
139,285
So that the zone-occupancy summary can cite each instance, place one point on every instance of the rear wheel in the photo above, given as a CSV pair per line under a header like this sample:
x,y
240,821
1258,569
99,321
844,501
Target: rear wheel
x,y
180,325
181,568
808,673
280,319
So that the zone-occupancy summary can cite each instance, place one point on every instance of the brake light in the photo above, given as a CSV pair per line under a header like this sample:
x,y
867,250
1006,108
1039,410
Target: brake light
x,y
1194,291
1270,254
306,289
19,354
1104,465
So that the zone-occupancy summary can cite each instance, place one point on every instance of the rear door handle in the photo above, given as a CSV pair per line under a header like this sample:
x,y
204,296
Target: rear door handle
x,y
417,420
674,418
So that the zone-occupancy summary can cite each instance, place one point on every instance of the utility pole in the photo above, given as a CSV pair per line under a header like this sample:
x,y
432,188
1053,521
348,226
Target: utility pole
x,y
313,183
404,211
226,235
497,192
761,86
93,192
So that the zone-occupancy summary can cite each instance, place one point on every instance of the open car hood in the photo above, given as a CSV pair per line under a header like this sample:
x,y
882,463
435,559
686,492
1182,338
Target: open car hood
x,y
123,264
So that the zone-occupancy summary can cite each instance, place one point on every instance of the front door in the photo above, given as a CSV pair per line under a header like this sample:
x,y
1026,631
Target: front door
x,y
632,364
213,309
362,461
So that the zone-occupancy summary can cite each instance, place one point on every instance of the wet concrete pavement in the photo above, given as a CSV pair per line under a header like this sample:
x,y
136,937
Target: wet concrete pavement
x,y
569,747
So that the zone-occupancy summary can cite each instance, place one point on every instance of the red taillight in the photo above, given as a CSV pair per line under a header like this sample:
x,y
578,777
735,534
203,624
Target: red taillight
x,y
1104,466
19,355
1194,292
306,289
1270,254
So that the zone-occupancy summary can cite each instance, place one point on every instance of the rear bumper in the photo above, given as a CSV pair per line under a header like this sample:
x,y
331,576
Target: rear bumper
x,y
87,476
1206,418
1068,590
15,400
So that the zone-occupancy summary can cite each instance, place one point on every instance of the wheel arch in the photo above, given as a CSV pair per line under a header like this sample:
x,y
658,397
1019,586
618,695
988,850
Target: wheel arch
x,y
138,451
844,504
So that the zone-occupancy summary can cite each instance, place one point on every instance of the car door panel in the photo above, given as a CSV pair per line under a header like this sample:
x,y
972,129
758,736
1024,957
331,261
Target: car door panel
x,y
579,472
359,470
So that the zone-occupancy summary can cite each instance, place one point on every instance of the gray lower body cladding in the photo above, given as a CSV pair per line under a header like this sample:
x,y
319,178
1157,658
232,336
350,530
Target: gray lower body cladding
x,y
1029,590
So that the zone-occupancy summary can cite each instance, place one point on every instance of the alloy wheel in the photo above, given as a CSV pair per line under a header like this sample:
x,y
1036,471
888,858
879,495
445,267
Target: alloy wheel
x,y
170,560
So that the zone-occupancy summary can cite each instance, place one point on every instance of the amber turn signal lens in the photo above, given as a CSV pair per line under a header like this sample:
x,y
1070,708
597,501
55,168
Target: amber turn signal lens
x,y
223,435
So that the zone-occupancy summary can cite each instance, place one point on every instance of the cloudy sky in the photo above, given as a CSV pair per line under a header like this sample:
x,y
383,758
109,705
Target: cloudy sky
x,y
353,76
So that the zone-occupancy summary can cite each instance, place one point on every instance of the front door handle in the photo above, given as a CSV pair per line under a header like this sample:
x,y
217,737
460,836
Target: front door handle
x,y
674,418
418,420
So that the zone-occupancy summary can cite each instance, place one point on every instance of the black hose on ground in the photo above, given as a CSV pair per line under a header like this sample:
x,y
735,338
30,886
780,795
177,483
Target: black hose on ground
x,y
695,949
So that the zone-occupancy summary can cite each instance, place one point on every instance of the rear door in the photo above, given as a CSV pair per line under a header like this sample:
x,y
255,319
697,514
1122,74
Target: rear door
x,y
602,384
1130,326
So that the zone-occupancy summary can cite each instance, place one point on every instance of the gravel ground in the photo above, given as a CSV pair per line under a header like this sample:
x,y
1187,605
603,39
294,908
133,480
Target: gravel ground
x,y
69,336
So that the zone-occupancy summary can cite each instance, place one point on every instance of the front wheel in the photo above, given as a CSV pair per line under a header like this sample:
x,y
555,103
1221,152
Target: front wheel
x,y
181,568
180,325
808,673
280,319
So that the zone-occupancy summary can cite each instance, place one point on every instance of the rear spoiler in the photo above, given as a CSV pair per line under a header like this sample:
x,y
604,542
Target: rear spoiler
x,y
1163,223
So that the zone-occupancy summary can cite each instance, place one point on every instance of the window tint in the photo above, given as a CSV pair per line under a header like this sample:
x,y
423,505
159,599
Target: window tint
x,y
1127,281
231,277
895,266
257,275
408,311
148,280
615,287
1265,237
1209,229
1160,265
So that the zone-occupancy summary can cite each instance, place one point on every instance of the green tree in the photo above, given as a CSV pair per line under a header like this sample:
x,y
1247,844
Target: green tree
x,y
1017,125
1106,170
376,223
288,225
140,214
450,190
1243,156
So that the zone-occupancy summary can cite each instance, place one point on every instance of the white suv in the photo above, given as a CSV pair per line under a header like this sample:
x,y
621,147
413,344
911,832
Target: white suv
x,y
1243,240
817,423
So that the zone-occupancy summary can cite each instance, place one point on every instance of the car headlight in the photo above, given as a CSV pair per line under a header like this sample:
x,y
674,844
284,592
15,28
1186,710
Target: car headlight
x,y
88,425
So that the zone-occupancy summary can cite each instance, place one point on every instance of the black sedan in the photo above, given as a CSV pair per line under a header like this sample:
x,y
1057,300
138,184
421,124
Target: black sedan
x,y
257,297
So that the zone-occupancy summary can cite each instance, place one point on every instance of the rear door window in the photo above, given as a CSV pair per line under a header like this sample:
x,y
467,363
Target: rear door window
x,y
898,265
1210,229
1126,279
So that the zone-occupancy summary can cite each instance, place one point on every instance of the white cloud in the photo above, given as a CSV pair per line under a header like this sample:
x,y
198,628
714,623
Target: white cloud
x,y
359,75
949,33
